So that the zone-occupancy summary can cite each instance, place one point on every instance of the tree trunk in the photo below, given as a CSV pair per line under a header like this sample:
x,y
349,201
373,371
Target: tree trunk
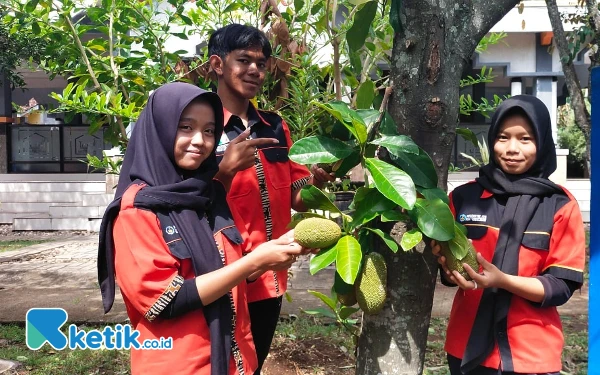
x,y
427,62
582,116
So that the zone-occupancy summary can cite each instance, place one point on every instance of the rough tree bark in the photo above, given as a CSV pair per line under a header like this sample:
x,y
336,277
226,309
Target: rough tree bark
x,y
582,115
428,59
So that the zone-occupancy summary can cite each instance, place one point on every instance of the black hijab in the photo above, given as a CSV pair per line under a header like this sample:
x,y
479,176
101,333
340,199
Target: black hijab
x,y
523,194
186,196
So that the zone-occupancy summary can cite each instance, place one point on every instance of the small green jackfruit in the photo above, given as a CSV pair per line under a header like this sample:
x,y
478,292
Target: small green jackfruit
x,y
348,299
454,264
371,284
317,233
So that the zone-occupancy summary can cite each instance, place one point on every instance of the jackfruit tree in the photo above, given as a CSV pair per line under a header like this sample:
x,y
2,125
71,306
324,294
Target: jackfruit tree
x,y
405,148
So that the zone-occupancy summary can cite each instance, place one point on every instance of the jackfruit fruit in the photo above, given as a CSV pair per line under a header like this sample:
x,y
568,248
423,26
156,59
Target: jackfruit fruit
x,y
454,264
371,284
348,299
317,233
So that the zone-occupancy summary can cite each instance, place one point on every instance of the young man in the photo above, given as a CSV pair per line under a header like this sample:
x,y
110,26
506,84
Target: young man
x,y
263,184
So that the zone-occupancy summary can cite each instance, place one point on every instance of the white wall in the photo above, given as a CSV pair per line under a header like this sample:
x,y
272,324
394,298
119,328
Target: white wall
x,y
535,16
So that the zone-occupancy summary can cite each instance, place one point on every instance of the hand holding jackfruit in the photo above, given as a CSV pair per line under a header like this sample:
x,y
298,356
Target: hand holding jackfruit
x,y
317,233
459,244
371,284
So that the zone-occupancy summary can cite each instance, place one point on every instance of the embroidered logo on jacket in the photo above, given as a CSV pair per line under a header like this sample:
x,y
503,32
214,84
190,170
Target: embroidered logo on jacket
x,y
171,229
472,218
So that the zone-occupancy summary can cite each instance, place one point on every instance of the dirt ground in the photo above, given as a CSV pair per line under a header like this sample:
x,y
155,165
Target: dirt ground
x,y
309,356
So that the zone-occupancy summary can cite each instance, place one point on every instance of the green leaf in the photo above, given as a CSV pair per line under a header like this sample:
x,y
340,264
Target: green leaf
x,y
419,167
394,215
459,245
323,259
434,218
186,20
387,239
348,163
388,125
369,116
347,311
410,239
365,94
288,297
181,35
327,300
321,311
434,193
347,116
349,256
315,199
95,13
298,5
319,149
31,5
356,63
468,135
357,34
232,7
369,206
395,184
397,143
358,2
35,28
395,15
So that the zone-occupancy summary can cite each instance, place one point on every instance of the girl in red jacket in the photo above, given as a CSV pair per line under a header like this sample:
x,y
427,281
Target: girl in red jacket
x,y
171,241
530,240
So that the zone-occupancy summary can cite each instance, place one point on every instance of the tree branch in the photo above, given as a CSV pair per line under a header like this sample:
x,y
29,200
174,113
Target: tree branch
x,y
484,16
90,70
382,109
582,116
592,8
113,66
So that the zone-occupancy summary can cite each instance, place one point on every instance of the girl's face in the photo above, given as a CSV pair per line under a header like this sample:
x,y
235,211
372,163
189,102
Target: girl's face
x,y
195,139
515,146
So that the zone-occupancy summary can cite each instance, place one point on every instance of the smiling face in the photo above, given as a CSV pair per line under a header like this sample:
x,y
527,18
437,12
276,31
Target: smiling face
x,y
241,73
195,139
515,146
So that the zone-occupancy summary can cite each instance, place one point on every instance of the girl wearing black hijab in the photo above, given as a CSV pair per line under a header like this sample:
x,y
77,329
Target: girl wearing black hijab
x,y
530,240
170,239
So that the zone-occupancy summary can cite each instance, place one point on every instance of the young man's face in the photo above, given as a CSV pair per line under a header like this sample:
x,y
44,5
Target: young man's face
x,y
195,139
242,72
515,145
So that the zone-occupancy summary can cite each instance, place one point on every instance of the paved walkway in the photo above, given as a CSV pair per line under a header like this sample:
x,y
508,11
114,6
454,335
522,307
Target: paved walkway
x,y
63,274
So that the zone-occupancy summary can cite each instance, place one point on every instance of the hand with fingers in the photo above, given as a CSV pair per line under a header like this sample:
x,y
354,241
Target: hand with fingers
x,y
320,176
240,153
436,248
490,277
278,254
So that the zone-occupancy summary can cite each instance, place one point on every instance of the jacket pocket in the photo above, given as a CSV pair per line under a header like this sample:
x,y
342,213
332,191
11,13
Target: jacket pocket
x,y
277,167
537,241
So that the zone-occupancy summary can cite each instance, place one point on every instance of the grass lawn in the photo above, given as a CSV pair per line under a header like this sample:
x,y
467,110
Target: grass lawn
x,y
16,244
302,346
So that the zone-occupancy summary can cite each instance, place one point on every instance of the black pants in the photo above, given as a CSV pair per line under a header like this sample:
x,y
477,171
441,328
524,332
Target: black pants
x,y
454,364
263,321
